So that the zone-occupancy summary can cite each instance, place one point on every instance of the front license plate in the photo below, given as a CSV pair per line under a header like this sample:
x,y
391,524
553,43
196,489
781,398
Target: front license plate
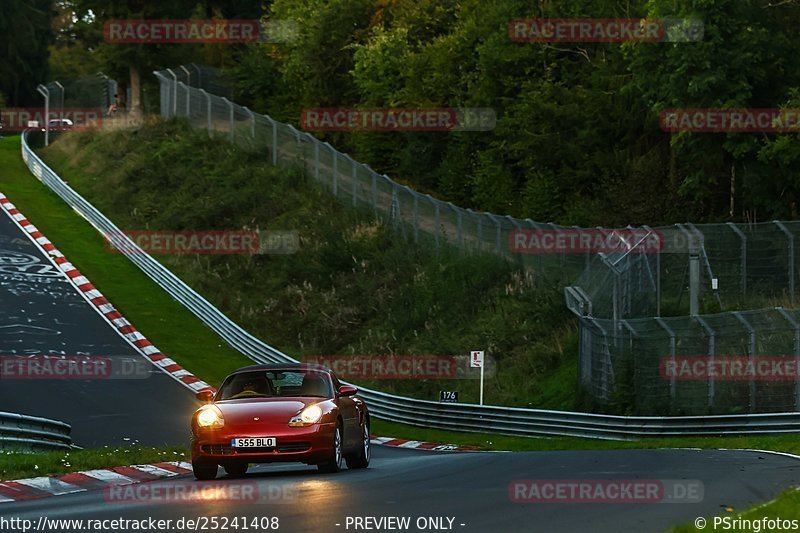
x,y
254,442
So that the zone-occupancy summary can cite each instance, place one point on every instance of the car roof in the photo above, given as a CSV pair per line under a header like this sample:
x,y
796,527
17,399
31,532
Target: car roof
x,y
283,366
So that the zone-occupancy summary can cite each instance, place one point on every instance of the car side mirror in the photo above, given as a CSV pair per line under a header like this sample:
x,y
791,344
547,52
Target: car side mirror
x,y
347,390
205,396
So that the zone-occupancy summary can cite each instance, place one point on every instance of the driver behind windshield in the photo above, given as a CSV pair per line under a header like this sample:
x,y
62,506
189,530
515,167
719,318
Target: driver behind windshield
x,y
249,385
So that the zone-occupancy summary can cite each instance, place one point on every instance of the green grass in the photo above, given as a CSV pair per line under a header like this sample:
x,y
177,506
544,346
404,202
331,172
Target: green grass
x,y
354,287
785,507
25,465
487,441
166,323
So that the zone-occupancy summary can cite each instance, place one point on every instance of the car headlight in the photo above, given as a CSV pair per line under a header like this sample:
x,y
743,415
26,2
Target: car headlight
x,y
210,416
308,416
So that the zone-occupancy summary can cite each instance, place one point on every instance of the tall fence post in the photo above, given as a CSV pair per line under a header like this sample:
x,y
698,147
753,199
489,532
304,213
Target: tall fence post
x,y
743,258
796,326
230,120
437,223
188,102
208,111
44,91
252,123
790,236
335,170
316,159
672,385
174,92
415,214
275,141
711,353
374,191
752,355
354,179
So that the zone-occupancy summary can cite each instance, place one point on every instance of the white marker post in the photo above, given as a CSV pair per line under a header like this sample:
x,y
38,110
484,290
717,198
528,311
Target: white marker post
x,y
476,361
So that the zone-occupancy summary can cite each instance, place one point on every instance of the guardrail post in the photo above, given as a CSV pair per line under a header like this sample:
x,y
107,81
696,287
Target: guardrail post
x,y
751,355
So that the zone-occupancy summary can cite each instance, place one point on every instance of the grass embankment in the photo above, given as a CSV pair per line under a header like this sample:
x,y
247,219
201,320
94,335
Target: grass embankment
x,y
167,324
25,465
354,287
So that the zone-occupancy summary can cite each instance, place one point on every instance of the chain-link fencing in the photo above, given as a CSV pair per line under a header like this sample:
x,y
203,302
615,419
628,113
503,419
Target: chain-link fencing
x,y
641,294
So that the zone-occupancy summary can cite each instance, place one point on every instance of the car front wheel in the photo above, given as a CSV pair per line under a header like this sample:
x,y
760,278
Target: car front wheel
x,y
236,469
360,459
335,464
204,471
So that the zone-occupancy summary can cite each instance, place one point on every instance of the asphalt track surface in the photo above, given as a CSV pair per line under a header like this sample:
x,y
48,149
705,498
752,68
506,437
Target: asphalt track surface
x,y
41,312
471,488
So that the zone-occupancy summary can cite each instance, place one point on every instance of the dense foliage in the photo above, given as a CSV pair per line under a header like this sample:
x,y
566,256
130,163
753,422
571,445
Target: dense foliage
x,y
578,138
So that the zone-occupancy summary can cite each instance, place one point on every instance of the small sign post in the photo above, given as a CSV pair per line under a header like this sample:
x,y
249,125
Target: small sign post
x,y
448,396
476,361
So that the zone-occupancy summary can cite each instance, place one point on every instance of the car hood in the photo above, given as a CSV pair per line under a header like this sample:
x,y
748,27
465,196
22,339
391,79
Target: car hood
x,y
268,409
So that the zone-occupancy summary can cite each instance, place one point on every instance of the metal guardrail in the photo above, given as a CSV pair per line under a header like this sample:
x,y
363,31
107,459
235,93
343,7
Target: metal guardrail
x,y
33,434
461,417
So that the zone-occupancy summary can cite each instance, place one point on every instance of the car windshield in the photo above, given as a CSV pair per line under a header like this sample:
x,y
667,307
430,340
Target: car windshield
x,y
276,383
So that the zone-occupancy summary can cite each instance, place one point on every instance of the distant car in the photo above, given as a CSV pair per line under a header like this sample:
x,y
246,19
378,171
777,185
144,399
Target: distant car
x,y
280,413
59,124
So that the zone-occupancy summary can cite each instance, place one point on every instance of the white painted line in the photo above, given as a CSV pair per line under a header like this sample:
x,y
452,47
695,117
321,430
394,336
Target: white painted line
x,y
156,471
109,476
785,454
50,485
410,444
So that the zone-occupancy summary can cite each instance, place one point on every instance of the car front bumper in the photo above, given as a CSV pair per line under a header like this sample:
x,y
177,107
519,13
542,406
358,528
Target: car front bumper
x,y
311,445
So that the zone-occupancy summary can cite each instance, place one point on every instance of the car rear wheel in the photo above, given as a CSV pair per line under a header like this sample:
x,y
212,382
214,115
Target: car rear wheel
x,y
236,469
335,464
360,459
204,471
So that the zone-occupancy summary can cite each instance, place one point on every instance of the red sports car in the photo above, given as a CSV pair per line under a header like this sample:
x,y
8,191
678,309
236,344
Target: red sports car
x,y
276,413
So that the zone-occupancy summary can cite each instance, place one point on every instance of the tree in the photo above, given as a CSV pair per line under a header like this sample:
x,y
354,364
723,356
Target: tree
x,y
24,37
